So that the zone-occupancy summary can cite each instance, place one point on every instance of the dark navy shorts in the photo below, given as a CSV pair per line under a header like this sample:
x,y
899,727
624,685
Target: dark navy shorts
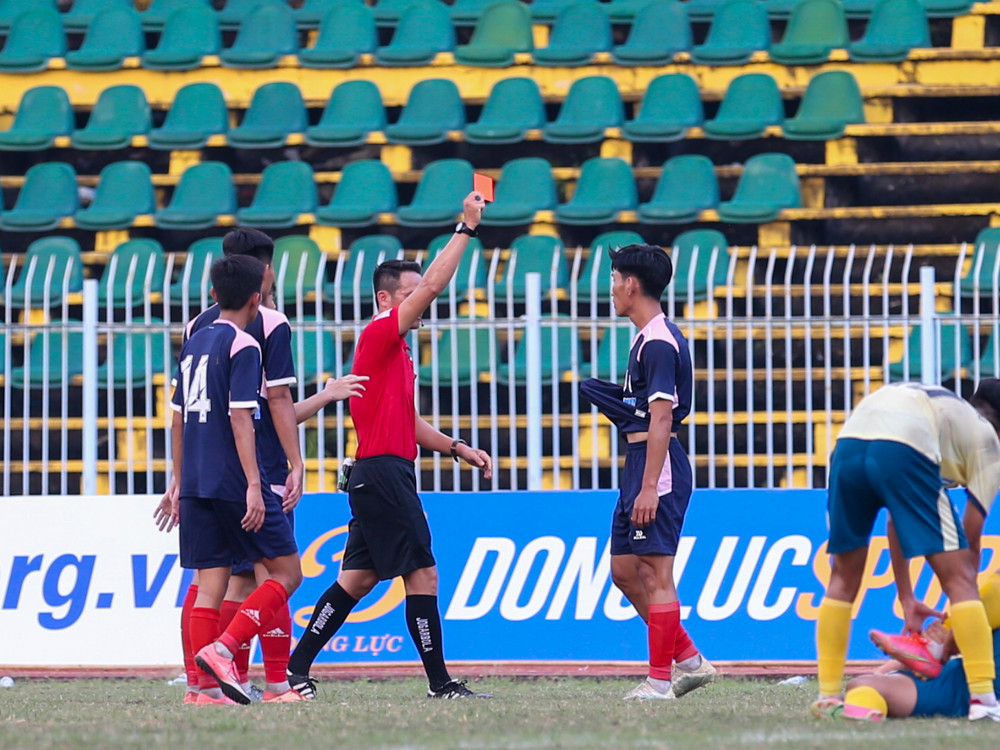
x,y
211,537
948,693
661,536
868,475
245,566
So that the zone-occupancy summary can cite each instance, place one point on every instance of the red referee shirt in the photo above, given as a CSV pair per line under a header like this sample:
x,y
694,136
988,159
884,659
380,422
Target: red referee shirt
x,y
385,417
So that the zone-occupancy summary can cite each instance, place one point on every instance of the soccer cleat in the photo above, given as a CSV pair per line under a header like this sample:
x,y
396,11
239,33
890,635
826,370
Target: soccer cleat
x,y
455,689
224,672
255,694
302,684
204,699
289,696
828,707
861,713
645,691
683,681
191,697
910,650
979,711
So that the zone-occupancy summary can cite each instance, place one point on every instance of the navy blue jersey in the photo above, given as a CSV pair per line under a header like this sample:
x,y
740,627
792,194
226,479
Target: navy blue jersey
x,y
219,370
274,336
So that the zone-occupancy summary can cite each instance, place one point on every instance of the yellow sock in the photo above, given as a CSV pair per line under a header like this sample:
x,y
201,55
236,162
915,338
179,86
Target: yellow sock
x,y
974,639
989,592
866,697
833,628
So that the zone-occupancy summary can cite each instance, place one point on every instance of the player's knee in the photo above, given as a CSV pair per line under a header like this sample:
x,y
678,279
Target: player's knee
x,y
860,681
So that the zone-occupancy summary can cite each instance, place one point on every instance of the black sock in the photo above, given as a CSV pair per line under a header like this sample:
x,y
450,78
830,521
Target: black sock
x,y
424,623
331,611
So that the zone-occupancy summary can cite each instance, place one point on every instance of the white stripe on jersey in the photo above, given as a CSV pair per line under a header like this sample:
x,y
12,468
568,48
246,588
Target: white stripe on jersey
x,y
949,533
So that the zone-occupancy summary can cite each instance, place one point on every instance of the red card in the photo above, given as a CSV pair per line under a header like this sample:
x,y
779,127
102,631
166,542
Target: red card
x,y
483,185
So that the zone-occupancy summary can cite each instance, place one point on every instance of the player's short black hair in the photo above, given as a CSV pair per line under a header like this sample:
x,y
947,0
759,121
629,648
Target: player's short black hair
x,y
236,278
649,264
986,399
387,273
246,241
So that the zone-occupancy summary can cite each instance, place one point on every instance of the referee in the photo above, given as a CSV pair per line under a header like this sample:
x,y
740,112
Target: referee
x,y
388,535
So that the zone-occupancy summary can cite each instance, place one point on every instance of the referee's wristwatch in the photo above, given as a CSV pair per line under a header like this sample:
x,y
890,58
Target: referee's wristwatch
x,y
454,447
463,228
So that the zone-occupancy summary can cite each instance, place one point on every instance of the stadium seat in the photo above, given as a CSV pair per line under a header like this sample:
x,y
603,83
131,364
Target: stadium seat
x,y
308,335
11,9
815,29
121,112
35,37
345,33
113,36
265,35
43,113
555,361
739,29
439,194
703,11
388,12
952,333
353,110
135,269
364,254
473,253
546,11
989,362
365,190
467,12
235,12
203,194
200,256
594,281
514,106
49,193
660,30
84,12
699,246
296,257
896,27
605,188
831,102
155,17
687,186
312,12
669,107
54,263
276,111
581,30
197,113
768,185
423,31
286,189
124,191
592,105
433,109
189,34
503,30
780,9
525,187
985,246
752,102
533,253
859,9
64,361
613,350
459,360
134,356
626,11
946,8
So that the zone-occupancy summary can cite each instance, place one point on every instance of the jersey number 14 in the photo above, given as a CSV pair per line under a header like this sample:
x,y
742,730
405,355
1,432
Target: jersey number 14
x,y
196,388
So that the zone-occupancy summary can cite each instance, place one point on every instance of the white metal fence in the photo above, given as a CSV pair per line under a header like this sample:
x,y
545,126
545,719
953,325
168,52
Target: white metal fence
x,y
783,343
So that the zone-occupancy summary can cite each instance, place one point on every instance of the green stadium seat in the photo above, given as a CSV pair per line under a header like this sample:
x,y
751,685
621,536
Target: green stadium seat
x,y
780,9
134,356
626,11
581,31
592,105
312,12
203,194
831,102
345,33
84,12
660,30
946,8
353,110
113,36
462,357
53,262
423,31
286,189
388,12
463,275
121,112
197,113
265,35
363,256
546,11
503,30
687,186
155,17
533,253
11,9
43,113
555,360
605,188
703,11
200,256
896,27
295,256
859,9
952,333
276,111
989,362
768,185
752,102
124,191
48,195
525,187
594,281
439,194
365,190
670,106
467,12
986,247
35,37
135,269
815,29
613,350
190,33
235,12
308,335
65,358
739,29
693,253
433,109
513,107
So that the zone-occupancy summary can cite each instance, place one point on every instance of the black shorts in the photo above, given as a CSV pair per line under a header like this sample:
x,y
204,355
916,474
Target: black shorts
x,y
388,532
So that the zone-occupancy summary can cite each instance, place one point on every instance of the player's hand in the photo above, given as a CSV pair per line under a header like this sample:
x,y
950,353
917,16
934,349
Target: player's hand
x,y
345,387
475,457
915,614
472,209
644,508
293,489
167,513
254,518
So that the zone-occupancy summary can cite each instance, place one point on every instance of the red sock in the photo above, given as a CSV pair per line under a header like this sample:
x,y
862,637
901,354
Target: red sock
x,y
189,666
275,645
663,622
258,609
204,630
684,648
241,658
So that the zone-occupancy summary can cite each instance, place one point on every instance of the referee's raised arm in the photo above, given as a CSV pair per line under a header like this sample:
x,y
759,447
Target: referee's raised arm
x,y
443,267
